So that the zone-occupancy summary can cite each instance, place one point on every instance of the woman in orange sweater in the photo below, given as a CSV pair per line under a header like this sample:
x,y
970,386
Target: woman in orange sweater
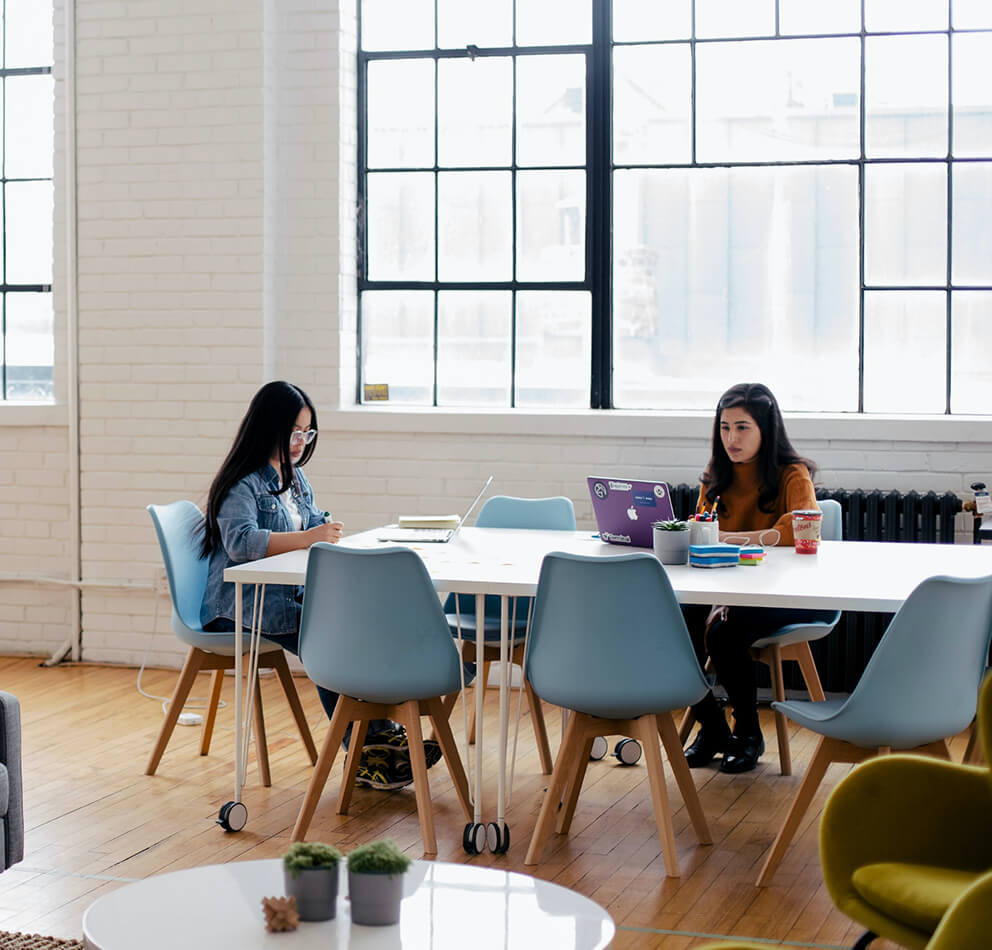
x,y
755,478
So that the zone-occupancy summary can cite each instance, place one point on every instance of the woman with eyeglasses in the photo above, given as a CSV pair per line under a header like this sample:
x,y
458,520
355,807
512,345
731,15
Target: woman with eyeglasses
x,y
261,504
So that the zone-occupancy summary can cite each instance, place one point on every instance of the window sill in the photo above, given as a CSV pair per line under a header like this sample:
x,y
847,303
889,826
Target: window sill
x,y
33,414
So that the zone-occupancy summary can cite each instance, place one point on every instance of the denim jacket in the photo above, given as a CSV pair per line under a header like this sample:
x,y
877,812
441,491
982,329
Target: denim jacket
x,y
247,516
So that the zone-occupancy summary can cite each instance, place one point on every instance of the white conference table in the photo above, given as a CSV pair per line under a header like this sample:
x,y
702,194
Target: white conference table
x,y
844,575
444,906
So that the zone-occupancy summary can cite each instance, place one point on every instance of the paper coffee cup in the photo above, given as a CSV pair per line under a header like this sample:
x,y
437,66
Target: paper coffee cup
x,y
806,530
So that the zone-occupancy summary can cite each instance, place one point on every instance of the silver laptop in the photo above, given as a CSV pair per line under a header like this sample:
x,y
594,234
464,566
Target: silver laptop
x,y
431,535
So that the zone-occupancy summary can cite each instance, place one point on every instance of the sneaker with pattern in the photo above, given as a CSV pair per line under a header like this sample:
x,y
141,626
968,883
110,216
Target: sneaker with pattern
x,y
377,769
395,740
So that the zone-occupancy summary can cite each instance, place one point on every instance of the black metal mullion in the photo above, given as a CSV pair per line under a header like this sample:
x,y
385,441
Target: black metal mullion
x,y
437,229
949,339
862,122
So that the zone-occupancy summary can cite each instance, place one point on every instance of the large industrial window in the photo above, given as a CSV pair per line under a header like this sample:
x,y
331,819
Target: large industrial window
x,y
635,204
26,331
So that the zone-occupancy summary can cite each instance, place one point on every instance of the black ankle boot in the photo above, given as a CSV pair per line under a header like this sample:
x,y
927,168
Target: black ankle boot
x,y
742,753
710,742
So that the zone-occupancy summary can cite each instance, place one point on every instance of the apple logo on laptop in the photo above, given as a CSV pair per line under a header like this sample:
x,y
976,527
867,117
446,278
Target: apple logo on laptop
x,y
632,513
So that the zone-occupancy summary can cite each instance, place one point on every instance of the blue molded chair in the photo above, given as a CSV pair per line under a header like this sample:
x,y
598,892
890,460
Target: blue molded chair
x,y
387,658
608,643
177,526
503,511
920,687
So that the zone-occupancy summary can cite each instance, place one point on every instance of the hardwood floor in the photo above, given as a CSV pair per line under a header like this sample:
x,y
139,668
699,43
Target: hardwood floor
x,y
95,821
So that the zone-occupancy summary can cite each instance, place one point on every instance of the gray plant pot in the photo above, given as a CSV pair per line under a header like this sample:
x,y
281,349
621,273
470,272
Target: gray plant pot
x,y
375,898
315,890
671,547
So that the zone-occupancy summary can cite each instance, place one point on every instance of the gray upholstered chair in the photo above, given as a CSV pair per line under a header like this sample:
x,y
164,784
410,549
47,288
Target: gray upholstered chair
x,y
11,795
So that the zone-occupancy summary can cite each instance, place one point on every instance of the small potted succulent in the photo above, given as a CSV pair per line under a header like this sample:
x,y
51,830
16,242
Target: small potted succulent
x,y
310,874
671,541
375,882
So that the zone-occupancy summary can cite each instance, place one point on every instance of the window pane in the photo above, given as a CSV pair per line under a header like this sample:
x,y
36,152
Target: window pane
x,y
397,24
971,55
640,20
735,17
474,226
554,22
812,16
551,216
905,347
551,110
398,343
652,108
554,349
971,14
401,113
400,226
29,30
473,348
905,224
29,116
718,271
971,352
480,23
30,348
886,15
788,99
906,96
971,258
475,111
28,226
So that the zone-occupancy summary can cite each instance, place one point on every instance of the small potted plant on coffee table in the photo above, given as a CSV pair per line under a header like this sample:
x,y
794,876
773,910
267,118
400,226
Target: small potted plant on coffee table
x,y
375,882
671,541
310,874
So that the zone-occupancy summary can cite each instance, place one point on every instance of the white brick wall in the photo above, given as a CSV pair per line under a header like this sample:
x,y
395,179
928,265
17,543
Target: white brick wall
x,y
216,214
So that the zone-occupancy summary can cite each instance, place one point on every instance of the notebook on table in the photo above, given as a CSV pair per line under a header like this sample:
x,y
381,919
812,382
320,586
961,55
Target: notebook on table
x,y
626,508
430,535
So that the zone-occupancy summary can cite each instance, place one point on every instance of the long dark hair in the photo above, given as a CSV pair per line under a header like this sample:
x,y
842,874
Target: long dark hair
x,y
775,453
263,433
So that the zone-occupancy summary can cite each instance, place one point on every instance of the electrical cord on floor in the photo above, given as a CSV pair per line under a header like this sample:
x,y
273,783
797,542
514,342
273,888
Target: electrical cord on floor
x,y
195,702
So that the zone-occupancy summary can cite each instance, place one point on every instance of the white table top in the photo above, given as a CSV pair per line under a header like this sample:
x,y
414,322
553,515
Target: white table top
x,y
848,575
445,905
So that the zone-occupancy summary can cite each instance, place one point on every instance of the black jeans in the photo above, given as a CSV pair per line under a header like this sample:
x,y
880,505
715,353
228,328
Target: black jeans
x,y
291,642
728,644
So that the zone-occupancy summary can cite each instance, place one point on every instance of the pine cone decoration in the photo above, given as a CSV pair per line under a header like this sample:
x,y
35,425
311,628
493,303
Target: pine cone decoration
x,y
280,914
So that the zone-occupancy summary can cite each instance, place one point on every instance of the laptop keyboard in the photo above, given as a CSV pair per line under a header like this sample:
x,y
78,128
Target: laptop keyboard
x,y
416,534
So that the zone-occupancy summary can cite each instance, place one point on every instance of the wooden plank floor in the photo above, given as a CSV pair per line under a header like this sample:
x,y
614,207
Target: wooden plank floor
x,y
95,821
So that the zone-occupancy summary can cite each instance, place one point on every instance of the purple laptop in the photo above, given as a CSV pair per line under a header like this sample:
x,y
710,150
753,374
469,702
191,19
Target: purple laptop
x,y
626,508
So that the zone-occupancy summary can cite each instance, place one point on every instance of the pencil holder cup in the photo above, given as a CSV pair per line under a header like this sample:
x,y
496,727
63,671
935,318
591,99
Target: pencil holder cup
x,y
704,532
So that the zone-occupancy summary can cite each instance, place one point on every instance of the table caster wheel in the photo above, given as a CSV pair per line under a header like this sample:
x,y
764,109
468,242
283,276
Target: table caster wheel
x,y
474,838
628,752
233,816
498,841
599,749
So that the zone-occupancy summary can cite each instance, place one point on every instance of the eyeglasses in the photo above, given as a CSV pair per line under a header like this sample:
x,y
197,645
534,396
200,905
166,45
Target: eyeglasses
x,y
298,435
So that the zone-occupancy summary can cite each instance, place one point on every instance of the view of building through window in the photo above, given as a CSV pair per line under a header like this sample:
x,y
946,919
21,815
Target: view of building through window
x,y
636,204
26,330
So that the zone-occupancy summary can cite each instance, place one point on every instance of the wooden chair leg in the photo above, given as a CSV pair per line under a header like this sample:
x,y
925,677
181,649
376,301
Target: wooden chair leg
x,y
564,764
540,729
686,723
216,682
449,749
815,771
571,797
683,777
359,728
804,657
329,751
418,766
973,751
781,725
187,676
261,743
279,664
649,729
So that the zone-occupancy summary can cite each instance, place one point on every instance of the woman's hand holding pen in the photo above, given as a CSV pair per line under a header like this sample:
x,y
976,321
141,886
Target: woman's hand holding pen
x,y
331,531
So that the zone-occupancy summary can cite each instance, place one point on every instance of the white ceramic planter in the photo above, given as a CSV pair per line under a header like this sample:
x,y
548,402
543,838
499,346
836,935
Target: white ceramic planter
x,y
671,547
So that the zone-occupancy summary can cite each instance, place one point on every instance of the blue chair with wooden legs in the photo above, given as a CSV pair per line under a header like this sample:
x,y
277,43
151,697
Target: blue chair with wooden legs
x,y
503,511
177,526
387,658
919,688
609,644
792,643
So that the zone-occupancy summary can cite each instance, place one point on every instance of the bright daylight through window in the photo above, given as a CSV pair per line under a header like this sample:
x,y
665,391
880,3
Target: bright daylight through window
x,y
632,204
26,322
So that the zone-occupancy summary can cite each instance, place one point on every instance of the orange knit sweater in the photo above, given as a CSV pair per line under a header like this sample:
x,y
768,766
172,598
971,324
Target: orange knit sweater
x,y
739,502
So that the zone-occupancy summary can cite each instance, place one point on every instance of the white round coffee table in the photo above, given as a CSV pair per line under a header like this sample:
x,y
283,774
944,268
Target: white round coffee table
x,y
445,905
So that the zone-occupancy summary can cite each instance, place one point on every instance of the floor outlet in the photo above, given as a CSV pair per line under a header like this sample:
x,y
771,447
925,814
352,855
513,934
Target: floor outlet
x,y
190,719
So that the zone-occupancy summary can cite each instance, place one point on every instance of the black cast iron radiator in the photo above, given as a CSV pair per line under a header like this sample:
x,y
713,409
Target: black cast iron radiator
x,y
868,516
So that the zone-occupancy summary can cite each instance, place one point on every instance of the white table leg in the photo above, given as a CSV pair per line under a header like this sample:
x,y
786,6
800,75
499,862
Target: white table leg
x,y
504,706
239,765
480,695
